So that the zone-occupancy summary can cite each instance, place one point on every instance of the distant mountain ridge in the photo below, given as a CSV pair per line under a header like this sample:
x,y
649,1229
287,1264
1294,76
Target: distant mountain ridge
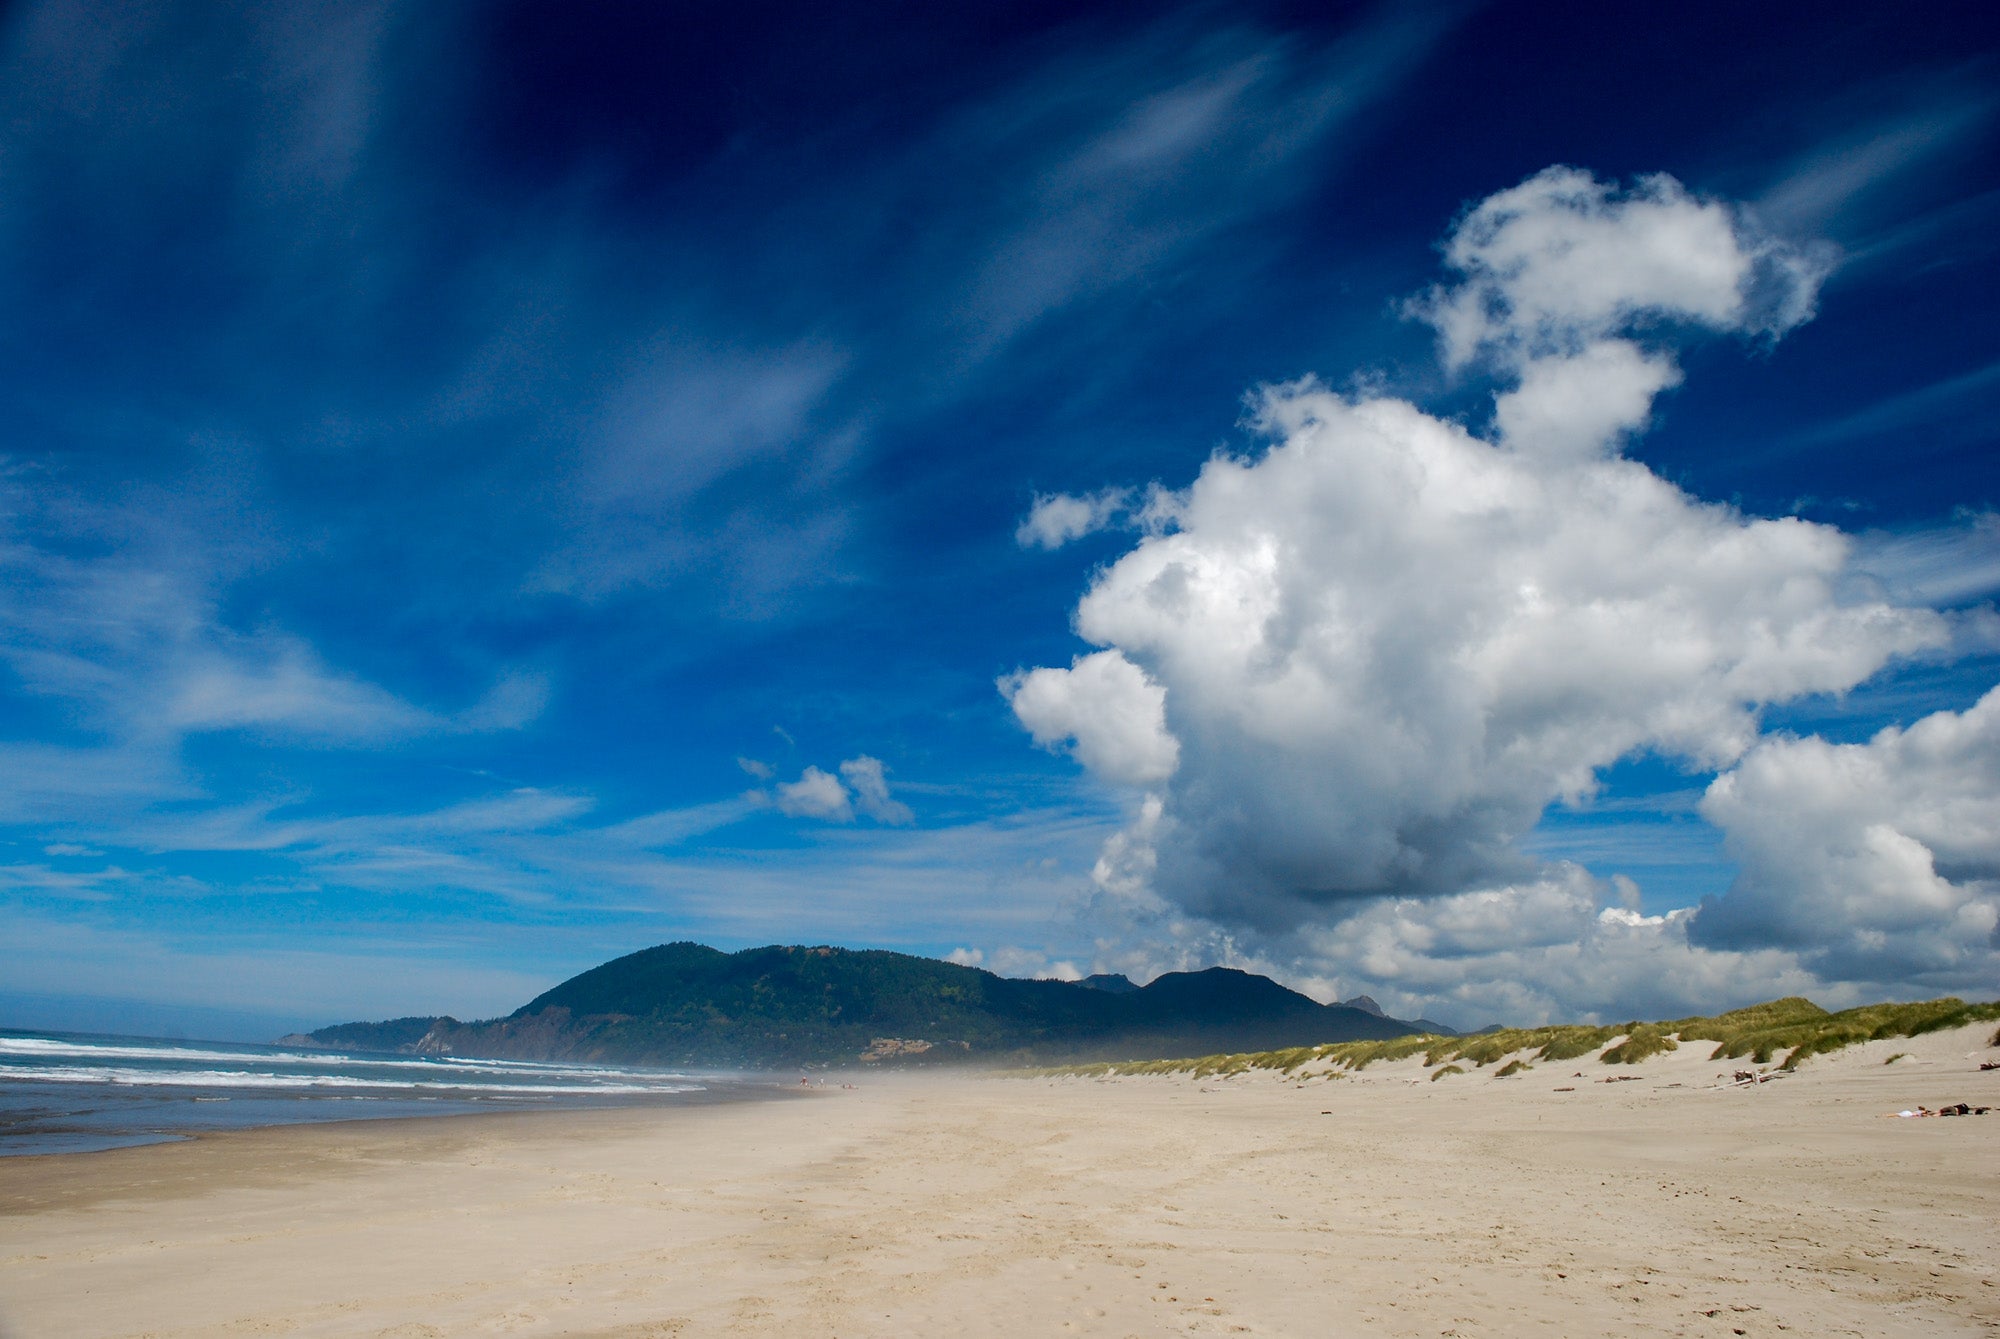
x,y
686,1004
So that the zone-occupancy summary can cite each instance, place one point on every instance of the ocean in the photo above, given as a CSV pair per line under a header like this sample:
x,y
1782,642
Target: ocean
x,y
74,1092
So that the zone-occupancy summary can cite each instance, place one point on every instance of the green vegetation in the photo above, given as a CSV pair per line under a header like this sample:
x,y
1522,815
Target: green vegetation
x,y
687,1004
1900,1055
1792,1025
1288,1061
1642,1041
1200,1067
1818,1032
1483,1048
1772,1013
1571,1042
1358,1055
1511,1068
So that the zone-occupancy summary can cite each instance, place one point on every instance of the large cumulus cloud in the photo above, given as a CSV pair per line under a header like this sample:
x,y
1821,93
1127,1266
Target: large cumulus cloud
x,y
1381,646
1875,862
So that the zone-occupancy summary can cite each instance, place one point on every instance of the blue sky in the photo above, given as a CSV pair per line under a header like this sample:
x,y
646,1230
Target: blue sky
x,y
491,487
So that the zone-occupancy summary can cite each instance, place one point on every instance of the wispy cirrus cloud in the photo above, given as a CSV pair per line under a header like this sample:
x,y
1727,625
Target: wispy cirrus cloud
x,y
137,641
1824,186
1907,414
1942,565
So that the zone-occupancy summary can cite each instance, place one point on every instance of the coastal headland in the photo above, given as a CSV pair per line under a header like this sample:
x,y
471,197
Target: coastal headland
x,y
1576,1197
687,1004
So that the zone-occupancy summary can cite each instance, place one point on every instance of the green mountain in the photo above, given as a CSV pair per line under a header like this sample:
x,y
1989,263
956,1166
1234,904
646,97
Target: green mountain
x,y
689,1005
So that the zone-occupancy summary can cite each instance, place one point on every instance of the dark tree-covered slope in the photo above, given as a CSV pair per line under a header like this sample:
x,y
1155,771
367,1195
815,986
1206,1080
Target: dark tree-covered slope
x,y
687,1004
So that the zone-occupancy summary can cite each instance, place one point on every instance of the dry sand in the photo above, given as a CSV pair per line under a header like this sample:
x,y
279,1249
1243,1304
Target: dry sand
x,y
1371,1205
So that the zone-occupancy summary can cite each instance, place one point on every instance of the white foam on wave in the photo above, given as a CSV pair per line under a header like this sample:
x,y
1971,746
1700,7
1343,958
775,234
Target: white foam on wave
x,y
86,1050
213,1078
44,1048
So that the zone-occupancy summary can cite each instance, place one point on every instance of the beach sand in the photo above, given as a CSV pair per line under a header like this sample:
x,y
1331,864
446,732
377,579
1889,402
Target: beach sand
x,y
1379,1204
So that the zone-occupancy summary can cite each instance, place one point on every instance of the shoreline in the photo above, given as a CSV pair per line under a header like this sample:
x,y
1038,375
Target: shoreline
x,y
164,1119
69,1092
963,1203
199,1159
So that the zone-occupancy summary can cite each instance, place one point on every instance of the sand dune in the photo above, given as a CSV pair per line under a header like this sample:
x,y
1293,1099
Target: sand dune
x,y
1378,1204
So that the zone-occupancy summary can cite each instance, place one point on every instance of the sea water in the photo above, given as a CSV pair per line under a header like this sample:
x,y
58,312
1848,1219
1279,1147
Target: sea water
x,y
75,1092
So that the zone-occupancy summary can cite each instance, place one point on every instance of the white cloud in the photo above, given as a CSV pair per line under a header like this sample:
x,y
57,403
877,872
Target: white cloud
x,y
1032,964
1562,946
862,785
1129,859
1559,947
816,794
1377,652
1355,668
869,781
1563,260
1108,706
277,684
1057,518
1876,861
1578,404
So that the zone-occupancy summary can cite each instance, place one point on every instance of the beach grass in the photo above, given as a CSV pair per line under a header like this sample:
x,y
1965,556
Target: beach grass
x,y
1642,1041
1805,1035
1793,1026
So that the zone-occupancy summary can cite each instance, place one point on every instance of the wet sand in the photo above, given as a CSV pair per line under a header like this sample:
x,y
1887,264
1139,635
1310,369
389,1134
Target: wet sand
x,y
1379,1204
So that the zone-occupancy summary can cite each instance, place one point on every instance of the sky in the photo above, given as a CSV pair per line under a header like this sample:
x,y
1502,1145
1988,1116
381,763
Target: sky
x,y
1488,506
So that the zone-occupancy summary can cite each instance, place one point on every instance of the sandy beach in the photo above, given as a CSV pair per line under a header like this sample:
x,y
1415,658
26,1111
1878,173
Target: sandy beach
x,y
1376,1204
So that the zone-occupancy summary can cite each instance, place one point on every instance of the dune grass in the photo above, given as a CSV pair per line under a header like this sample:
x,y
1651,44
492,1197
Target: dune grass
x,y
1361,1054
1445,1072
1642,1041
1805,1035
1795,1026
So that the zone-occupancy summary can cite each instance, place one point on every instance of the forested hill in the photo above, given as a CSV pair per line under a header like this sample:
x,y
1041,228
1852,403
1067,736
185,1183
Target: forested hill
x,y
689,1005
